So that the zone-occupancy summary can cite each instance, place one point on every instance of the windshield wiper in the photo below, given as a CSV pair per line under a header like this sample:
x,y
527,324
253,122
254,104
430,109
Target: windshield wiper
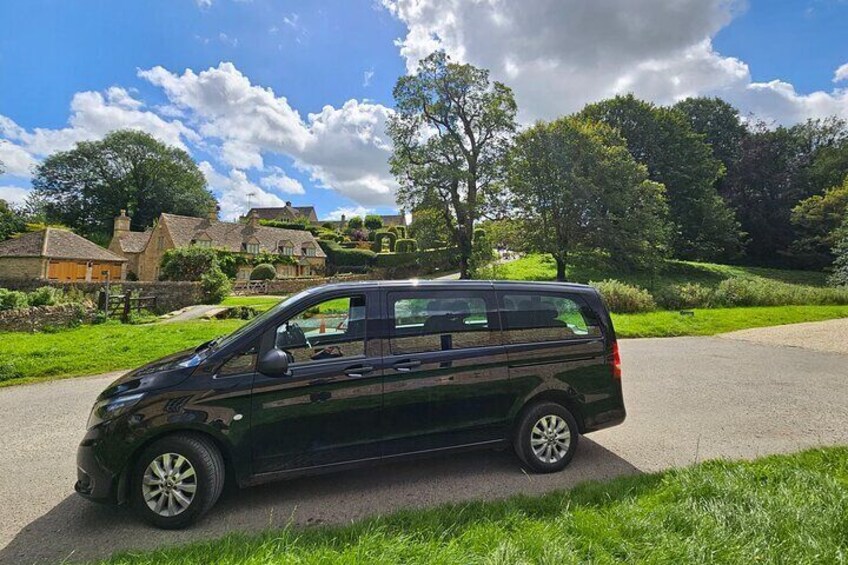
x,y
208,345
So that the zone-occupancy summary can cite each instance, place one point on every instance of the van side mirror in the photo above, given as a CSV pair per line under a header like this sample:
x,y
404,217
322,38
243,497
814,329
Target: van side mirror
x,y
275,363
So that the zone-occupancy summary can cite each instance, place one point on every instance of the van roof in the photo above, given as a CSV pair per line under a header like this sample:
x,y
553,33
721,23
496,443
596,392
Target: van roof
x,y
464,284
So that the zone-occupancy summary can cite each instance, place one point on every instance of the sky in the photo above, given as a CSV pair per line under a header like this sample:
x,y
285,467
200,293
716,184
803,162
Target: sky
x,y
287,101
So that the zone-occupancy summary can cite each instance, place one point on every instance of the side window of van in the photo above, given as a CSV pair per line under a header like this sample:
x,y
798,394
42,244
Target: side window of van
x,y
330,329
535,317
440,321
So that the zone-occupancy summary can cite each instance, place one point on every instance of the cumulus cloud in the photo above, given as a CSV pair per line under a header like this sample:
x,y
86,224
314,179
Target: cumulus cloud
x,y
13,194
235,191
348,212
841,73
282,183
343,149
93,115
561,54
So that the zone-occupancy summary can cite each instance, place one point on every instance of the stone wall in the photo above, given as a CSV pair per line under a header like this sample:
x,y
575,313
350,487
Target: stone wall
x,y
38,317
22,267
170,295
290,286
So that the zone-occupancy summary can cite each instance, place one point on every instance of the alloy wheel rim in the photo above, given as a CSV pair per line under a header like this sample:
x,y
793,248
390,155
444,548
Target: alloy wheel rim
x,y
550,439
169,484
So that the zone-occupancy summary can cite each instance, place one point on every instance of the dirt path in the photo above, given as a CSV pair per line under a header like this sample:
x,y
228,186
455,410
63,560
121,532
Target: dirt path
x,y
830,336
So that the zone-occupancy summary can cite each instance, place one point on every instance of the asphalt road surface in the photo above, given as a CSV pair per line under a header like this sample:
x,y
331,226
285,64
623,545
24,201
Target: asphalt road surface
x,y
688,399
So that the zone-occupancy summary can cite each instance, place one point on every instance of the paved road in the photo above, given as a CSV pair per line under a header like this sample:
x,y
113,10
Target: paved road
x,y
195,312
688,399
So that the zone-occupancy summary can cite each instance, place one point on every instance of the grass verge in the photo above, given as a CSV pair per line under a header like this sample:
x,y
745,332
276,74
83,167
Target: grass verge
x,y
258,303
711,321
778,509
88,350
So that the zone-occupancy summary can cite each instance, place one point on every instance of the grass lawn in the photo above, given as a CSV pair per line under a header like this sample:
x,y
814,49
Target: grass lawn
x,y
778,509
259,303
537,267
718,320
89,350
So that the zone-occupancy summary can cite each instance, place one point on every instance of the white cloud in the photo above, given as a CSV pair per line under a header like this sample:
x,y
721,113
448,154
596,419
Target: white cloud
x,y
93,115
343,149
282,183
841,73
228,40
235,191
367,76
203,3
13,194
349,212
558,55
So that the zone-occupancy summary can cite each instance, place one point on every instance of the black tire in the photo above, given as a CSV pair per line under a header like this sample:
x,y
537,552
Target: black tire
x,y
203,457
524,433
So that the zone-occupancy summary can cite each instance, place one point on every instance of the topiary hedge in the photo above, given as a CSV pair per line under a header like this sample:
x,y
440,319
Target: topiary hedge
x,y
379,237
339,256
263,272
406,246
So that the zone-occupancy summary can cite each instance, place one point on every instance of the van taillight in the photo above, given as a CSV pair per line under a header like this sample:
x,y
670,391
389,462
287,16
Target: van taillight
x,y
616,362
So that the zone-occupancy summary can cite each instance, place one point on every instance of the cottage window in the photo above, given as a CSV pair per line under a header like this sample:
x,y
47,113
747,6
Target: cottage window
x,y
203,243
252,248
287,250
309,251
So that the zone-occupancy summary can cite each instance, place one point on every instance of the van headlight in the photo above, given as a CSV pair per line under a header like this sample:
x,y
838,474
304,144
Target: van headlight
x,y
113,407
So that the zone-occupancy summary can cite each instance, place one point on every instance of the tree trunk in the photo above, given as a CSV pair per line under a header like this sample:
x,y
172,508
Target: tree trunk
x,y
561,262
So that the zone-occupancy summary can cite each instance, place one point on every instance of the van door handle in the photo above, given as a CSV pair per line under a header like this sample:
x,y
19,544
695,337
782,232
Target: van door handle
x,y
406,366
358,371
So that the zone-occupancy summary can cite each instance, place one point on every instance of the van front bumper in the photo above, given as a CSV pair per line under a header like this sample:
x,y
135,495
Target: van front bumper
x,y
94,481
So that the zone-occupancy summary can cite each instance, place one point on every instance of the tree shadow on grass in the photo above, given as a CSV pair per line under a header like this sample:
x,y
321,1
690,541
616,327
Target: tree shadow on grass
x,y
77,530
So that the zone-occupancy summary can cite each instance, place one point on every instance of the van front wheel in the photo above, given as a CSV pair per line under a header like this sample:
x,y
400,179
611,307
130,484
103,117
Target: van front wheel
x,y
176,480
546,437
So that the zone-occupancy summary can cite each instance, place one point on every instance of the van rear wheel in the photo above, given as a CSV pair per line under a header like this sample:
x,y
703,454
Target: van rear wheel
x,y
176,480
546,437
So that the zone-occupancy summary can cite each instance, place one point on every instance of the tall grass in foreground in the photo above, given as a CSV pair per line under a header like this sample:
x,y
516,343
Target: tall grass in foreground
x,y
779,509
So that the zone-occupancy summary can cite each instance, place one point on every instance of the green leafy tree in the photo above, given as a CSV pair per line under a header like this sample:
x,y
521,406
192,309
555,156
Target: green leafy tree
x,y
450,131
373,222
578,187
355,223
11,221
839,277
719,123
188,263
817,220
86,187
430,228
678,158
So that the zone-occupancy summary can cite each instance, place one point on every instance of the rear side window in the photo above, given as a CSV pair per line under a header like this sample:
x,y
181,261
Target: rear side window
x,y
535,317
441,321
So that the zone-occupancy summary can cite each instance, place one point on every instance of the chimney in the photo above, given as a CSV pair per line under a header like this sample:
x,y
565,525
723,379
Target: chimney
x,y
288,203
122,222
213,212
253,219
343,219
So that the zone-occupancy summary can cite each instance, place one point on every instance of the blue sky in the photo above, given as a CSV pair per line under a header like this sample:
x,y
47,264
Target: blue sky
x,y
74,70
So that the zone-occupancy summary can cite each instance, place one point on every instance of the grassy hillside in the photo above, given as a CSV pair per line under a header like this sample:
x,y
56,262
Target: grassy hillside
x,y
587,268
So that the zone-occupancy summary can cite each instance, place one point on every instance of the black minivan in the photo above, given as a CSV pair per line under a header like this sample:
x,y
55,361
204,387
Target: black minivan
x,y
353,373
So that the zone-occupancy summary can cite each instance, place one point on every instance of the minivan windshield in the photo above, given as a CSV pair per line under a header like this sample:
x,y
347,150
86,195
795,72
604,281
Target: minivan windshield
x,y
261,318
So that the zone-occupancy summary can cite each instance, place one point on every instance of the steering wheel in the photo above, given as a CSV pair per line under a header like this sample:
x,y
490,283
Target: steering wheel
x,y
294,337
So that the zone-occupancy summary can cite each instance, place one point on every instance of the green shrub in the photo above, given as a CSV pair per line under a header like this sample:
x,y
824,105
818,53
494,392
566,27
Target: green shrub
x,y
383,235
839,277
339,256
216,286
355,223
396,260
187,263
685,296
12,299
401,232
761,292
263,272
373,222
406,245
144,317
623,298
44,296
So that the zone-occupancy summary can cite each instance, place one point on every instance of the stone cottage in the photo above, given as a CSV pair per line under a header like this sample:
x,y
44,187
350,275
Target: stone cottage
x,y
58,255
144,250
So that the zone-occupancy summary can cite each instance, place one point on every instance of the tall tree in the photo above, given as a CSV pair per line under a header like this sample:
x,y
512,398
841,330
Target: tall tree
x,y
450,132
817,220
86,187
839,276
11,221
721,126
578,187
678,158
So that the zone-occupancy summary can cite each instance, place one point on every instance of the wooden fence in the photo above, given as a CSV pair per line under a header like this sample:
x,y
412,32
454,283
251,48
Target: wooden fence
x,y
120,305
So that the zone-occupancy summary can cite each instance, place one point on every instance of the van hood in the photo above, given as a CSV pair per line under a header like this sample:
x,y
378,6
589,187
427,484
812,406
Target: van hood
x,y
164,372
